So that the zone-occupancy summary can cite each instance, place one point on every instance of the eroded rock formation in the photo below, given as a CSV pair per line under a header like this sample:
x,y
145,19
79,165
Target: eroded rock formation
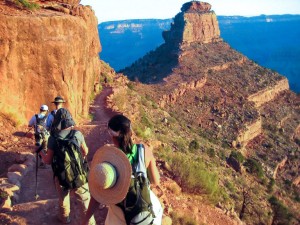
x,y
48,53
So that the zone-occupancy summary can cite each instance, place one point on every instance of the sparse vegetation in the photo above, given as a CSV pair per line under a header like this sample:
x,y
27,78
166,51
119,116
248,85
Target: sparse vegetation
x,y
238,156
254,167
194,145
178,219
281,213
27,4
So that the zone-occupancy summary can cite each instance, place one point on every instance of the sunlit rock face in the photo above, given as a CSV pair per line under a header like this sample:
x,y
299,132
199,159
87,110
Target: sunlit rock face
x,y
48,53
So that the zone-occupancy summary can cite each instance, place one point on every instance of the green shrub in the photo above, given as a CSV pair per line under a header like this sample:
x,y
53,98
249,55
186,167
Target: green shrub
x,y
178,219
130,85
28,5
254,167
195,176
271,185
281,212
194,145
238,156
211,152
181,144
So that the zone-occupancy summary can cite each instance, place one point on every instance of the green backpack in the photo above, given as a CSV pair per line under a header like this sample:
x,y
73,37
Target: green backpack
x,y
68,164
137,206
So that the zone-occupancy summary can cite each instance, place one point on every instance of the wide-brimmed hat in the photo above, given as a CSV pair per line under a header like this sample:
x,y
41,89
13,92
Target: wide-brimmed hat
x,y
110,175
58,99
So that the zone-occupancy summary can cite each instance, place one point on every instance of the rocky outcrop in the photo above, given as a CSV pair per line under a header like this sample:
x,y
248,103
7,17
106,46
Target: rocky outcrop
x,y
195,23
48,53
279,166
269,93
183,88
251,131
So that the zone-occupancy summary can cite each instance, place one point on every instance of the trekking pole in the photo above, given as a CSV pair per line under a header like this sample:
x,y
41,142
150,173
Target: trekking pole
x,y
36,172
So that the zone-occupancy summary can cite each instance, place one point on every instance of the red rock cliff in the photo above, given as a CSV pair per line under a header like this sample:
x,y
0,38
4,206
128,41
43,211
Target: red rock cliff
x,y
45,53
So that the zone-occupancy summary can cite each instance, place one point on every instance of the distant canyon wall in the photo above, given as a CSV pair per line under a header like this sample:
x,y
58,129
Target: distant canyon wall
x,y
45,54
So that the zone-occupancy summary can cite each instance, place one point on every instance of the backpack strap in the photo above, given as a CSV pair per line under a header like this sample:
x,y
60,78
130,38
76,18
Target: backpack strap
x,y
36,121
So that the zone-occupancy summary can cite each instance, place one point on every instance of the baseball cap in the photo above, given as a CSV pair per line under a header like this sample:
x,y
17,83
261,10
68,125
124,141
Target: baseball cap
x,y
44,108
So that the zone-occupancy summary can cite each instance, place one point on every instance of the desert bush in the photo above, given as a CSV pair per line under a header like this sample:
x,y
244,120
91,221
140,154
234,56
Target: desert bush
x,y
254,167
271,185
130,85
174,188
181,144
281,213
211,152
178,219
28,5
230,186
195,176
238,156
194,145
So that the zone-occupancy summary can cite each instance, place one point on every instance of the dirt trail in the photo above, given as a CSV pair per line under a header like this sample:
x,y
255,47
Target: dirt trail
x,y
44,210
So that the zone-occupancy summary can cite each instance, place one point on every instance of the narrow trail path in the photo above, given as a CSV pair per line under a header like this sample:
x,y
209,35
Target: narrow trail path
x,y
44,210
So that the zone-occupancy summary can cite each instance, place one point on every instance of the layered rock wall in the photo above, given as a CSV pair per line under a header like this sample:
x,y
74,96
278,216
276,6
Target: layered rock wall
x,y
48,54
250,132
269,93
176,93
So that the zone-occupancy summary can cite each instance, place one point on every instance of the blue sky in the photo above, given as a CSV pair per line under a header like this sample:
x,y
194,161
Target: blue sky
x,y
110,10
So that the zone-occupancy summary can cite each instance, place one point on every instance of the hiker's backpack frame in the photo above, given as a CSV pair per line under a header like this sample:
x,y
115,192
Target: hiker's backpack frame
x,y
68,164
137,206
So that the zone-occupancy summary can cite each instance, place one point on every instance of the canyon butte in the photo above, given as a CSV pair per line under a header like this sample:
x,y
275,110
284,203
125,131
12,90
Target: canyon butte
x,y
225,131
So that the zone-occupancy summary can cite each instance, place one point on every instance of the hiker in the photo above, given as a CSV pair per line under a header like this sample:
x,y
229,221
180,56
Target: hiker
x,y
38,122
110,177
67,153
58,102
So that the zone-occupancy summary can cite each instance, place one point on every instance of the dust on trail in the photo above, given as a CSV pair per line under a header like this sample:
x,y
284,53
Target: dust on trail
x,y
44,210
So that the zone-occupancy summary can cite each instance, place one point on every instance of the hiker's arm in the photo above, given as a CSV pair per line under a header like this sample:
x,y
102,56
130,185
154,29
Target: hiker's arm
x,y
93,205
152,170
47,157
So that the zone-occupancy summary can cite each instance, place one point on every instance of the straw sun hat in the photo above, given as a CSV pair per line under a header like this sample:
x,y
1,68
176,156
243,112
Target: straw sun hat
x,y
109,176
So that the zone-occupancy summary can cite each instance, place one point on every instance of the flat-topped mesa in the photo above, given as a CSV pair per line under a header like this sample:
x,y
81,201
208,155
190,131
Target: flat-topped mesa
x,y
195,23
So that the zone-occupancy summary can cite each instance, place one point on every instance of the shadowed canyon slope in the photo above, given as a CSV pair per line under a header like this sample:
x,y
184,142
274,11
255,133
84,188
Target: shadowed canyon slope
x,y
42,56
